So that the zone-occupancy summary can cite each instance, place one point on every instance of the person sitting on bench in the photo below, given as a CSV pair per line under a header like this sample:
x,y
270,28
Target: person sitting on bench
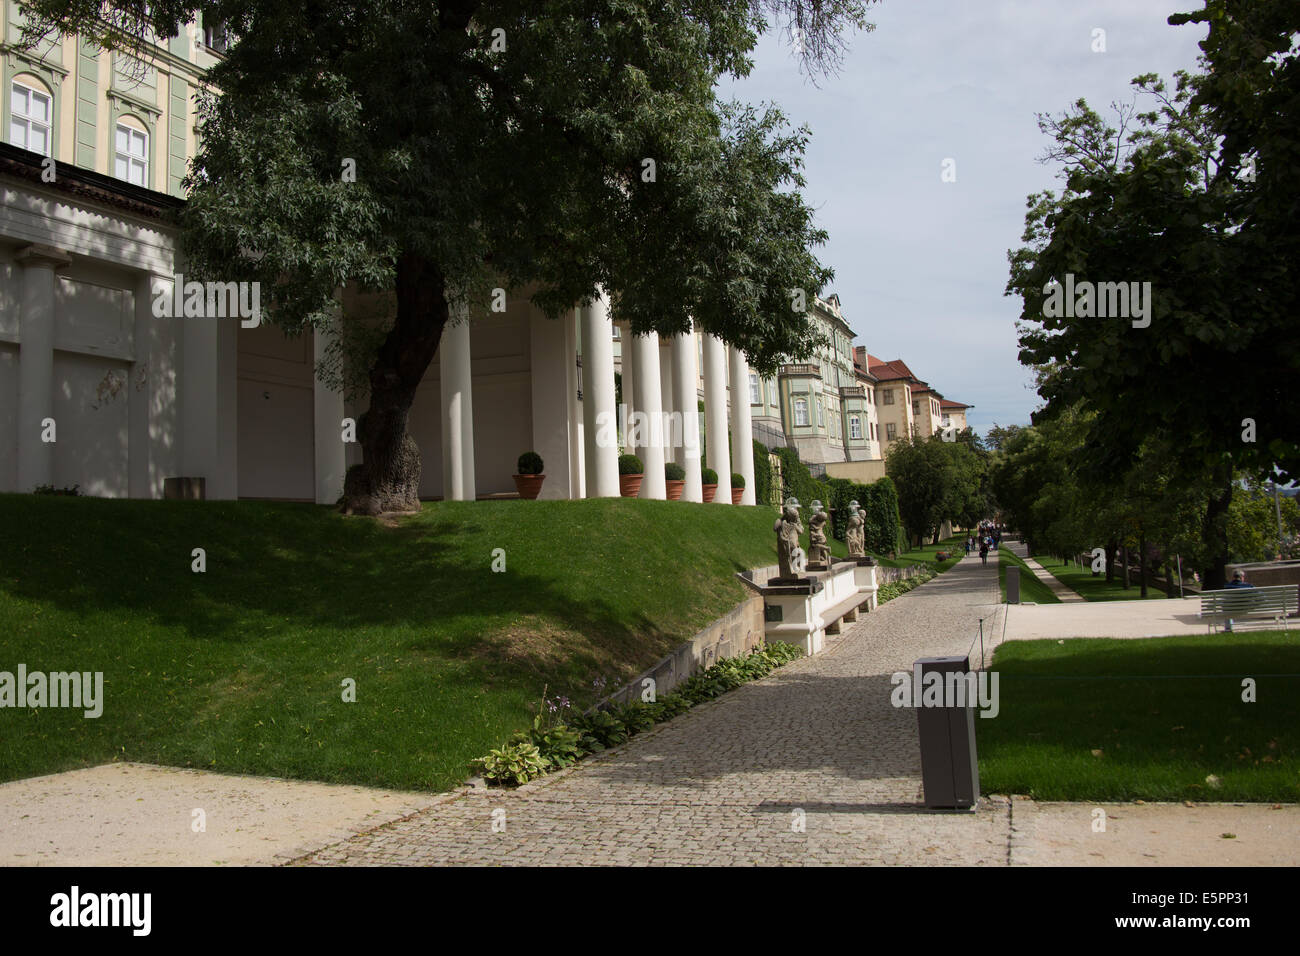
x,y
1238,581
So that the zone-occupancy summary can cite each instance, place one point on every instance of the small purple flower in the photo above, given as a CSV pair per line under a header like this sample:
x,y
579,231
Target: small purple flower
x,y
551,705
563,702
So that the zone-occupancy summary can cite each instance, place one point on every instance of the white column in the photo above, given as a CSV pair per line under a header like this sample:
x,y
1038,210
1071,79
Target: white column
x,y
629,402
36,364
645,358
153,443
550,363
600,422
457,409
742,425
715,415
577,471
666,397
685,375
331,454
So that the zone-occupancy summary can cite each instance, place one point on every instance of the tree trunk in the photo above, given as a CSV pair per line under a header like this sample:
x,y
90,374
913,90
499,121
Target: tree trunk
x,y
388,478
1123,560
1214,532
1112,546
1142,561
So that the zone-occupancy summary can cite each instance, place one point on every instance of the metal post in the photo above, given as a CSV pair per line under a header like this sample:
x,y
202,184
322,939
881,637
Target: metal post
x,y
1180,574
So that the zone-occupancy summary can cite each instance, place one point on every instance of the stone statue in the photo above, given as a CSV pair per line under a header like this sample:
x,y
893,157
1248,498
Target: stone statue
x,y
854,534
819,556
788,529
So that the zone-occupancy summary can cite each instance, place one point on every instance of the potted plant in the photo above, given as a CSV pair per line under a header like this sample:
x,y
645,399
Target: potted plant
x,y
529,480
710,479
737,487
630,474
675,480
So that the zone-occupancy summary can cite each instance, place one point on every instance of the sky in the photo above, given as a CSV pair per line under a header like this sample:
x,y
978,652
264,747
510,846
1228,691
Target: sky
x,y
921,264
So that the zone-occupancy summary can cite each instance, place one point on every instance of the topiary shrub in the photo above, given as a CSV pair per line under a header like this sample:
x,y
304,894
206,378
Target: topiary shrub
x,y
530,463
737,480
630,465
709,477
674,472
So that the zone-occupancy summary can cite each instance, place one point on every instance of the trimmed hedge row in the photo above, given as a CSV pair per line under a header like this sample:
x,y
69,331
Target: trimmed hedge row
x,y
884,527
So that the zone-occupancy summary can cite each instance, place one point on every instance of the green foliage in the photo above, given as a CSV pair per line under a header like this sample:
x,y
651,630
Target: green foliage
x,y
630,465
887,592
797,480
708,477
553,746
530,463
674,471
600,729
936,480
512,765
75,490
762,475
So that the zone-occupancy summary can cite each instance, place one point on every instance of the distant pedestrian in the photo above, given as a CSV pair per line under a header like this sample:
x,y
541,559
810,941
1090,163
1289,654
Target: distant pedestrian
x,y
984,552
968,547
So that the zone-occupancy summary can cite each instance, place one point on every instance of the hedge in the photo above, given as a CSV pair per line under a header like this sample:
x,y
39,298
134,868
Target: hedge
x,y
762,475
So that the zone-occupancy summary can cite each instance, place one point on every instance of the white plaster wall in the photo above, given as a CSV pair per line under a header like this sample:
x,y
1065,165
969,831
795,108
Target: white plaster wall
x,y
275,415
92,424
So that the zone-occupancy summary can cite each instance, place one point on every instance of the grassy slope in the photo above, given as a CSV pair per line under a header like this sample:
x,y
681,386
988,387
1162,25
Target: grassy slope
x,y
1159,737
239,669
1032,590
925,555
1095,588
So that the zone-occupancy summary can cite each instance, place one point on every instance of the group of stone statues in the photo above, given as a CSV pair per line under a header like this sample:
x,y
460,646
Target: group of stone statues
x,y
791,558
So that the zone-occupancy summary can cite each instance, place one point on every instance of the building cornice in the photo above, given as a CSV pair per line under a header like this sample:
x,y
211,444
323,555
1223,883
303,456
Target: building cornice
x,y
87,184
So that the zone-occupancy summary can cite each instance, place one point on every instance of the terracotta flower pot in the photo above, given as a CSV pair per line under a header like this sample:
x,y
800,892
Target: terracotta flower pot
x,y
710,491
675,489
736,495
529,486
629,486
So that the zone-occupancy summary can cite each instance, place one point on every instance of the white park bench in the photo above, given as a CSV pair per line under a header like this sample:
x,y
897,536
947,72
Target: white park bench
x,y
1274,602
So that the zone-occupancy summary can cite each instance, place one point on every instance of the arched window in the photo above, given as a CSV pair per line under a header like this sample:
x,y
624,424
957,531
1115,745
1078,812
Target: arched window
x,y
31,116
801,411
131,151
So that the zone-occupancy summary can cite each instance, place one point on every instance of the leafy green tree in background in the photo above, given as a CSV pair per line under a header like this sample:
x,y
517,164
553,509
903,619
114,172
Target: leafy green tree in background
x,y
1197,196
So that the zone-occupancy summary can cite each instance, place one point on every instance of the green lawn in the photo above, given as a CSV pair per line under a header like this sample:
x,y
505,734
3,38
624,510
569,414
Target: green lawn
x,y
925,555
1032,590
1151,719
1092,588
239,669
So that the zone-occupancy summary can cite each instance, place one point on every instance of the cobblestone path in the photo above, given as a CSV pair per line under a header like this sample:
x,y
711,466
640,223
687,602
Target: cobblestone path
x,y
730,781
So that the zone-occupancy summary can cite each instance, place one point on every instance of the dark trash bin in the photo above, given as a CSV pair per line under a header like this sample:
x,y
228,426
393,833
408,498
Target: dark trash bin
x,y
949,769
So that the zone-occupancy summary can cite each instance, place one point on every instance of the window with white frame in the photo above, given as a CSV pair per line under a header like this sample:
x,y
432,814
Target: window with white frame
x,y
131,155
891,430
755,397
800,412
31,116
855,428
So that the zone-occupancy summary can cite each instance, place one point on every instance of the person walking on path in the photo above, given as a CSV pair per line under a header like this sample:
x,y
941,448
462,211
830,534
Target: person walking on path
x,y
1238,581
984,552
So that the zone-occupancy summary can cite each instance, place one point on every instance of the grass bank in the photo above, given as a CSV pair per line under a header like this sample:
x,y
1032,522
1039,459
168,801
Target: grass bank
x,y
1032,590
1153,719
240,669
1081,580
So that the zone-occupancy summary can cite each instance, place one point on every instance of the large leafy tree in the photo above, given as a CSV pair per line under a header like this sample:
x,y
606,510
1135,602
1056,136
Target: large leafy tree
x,y
1162,197
936,481
558,147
